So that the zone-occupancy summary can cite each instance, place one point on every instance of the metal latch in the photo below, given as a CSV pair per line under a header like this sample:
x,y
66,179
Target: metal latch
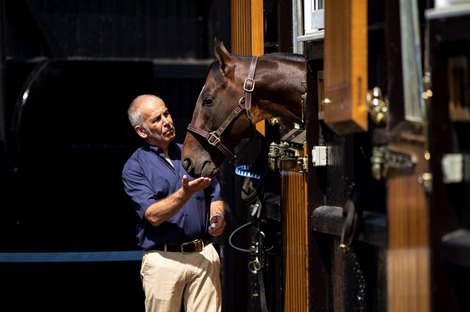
x,y
289,154
385,159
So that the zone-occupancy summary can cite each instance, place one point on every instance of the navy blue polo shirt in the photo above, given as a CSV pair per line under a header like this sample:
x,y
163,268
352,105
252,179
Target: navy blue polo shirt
x,y
147,178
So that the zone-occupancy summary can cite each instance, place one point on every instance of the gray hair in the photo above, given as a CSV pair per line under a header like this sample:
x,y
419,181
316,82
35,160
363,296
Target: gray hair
x,y
134,112
135,118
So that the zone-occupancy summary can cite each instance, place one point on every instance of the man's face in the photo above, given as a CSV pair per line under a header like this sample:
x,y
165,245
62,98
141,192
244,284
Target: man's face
x,y
158,124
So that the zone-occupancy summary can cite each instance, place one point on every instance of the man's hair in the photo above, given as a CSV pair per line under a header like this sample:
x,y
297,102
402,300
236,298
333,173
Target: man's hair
x,y
134,112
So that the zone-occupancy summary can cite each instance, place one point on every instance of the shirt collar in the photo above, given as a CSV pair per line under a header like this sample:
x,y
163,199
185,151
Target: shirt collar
x,y
171,149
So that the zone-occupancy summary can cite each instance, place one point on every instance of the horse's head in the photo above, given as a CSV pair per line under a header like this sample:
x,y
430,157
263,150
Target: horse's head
x,y
220,119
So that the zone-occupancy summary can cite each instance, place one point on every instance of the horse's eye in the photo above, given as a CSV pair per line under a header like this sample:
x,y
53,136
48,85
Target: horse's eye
x,y
207,101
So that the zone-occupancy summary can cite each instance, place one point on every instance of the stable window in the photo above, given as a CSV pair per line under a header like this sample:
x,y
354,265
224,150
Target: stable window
x,y
314,23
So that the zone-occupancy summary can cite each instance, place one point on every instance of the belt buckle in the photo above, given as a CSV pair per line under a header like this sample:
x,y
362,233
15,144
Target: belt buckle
x,y
197,243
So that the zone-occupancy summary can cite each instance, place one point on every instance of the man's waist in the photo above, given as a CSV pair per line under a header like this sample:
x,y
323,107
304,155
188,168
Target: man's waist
x,y
196,245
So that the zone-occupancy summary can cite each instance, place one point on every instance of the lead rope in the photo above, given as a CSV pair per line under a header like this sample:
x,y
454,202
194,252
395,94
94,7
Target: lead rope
x,y
257,249
257,252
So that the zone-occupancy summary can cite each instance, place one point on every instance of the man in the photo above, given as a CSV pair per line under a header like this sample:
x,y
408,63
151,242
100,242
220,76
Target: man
x,y
176,216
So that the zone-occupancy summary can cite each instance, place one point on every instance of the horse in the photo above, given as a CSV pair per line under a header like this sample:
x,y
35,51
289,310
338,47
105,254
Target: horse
x,y
240,91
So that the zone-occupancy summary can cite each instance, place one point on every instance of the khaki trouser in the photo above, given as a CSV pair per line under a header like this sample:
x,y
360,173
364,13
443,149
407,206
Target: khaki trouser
x,y
172,278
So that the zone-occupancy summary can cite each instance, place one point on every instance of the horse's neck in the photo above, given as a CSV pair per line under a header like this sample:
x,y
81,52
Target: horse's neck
x,y
281,95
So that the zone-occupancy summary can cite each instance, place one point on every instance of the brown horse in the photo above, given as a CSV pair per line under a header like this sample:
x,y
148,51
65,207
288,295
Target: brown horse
x,y
240,91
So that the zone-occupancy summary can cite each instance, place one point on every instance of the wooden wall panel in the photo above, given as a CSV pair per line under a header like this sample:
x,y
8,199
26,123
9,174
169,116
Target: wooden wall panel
x,y
144,29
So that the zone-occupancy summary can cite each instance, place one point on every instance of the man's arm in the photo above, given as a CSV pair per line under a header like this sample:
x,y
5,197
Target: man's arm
x,y
217,218
163,209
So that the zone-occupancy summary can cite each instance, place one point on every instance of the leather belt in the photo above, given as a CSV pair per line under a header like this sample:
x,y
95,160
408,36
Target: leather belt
x,y
196,245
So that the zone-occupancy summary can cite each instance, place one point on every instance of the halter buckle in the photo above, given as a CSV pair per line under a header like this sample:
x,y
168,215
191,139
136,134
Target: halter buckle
x,y
249,84
213,139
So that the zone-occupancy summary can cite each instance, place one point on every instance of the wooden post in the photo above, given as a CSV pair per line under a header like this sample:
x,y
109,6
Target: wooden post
x,y
295,232
247,31
408,255
345,74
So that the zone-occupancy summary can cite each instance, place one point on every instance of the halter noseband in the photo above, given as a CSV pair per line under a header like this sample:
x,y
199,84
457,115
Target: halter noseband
x,y
214,137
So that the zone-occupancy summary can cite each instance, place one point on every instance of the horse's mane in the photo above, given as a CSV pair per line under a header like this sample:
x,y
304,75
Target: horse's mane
x,y
294,57
285,56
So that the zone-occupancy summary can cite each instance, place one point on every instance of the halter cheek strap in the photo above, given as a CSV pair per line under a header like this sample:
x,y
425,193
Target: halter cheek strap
x,y
249,84
214,137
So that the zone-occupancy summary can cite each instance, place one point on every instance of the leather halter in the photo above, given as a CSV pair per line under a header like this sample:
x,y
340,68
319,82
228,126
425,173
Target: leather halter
x,y
214,137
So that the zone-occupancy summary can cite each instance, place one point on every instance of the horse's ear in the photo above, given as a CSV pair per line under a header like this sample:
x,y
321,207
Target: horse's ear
x,y
221,53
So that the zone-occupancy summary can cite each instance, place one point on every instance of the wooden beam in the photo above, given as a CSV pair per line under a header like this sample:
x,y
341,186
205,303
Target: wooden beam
x,y
345,74
247,32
